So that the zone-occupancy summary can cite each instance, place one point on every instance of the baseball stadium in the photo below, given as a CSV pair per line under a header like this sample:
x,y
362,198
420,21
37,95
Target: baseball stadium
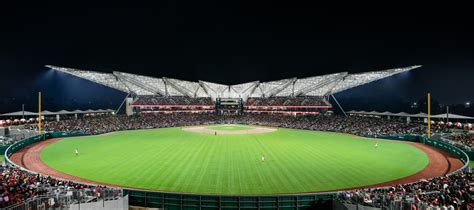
x,y
175,144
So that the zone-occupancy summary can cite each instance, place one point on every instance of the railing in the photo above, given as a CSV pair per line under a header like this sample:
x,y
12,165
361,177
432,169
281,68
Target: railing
x,y
62,198
468,150
460,145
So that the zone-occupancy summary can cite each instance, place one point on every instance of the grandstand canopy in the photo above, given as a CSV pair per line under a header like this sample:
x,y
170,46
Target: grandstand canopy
x,y
46,112
18,113
62,112
453,116
311,86
419,115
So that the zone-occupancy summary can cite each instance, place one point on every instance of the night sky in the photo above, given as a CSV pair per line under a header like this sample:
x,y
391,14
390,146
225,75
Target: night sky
x,y
232,43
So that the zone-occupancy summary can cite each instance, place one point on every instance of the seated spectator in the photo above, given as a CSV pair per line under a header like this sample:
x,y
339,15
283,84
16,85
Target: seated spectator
x,y
17,186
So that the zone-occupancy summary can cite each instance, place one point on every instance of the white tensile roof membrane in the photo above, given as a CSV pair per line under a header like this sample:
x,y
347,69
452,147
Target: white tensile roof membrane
x,y
311,86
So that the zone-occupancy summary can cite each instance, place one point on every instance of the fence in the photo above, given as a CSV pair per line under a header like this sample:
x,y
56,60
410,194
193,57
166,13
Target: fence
x,y
73,199
121,203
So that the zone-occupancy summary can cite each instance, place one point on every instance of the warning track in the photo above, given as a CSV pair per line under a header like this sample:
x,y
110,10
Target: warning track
x,y
440,164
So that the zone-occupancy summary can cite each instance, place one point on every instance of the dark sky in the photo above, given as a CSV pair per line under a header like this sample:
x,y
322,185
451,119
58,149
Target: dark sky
x,y
231,42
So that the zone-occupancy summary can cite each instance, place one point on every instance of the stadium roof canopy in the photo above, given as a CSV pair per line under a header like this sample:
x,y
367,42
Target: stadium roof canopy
x,y
311,86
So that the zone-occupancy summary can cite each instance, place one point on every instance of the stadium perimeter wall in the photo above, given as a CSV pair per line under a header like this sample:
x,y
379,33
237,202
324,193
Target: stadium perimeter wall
x,y
167,200
2,149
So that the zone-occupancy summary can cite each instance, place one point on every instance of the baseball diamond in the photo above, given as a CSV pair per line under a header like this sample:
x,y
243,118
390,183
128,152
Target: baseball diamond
x,y
176,160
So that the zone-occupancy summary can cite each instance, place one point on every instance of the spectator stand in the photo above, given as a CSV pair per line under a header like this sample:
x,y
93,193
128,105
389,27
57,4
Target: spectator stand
x,y
37,191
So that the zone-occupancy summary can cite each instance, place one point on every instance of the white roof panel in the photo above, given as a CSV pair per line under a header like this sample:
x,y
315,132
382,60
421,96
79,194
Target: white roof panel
x,y
107,79
216,90
244,90
152,84
311,86
183,86
354,80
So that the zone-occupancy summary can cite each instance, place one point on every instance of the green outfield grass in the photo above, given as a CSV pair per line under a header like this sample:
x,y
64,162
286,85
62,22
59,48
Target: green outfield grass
x,y
231,127
175,160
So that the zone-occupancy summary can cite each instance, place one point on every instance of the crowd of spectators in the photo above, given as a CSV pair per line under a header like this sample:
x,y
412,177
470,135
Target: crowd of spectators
x,y
16,134
173,100
18,186
463,138
87,125
447,192
354,125
286,101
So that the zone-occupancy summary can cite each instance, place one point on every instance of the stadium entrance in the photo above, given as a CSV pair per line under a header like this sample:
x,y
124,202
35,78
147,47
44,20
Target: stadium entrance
x,y
229,105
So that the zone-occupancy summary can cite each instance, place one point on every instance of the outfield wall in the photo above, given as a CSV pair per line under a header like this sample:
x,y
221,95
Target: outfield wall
x,y
3,148
194,201
167,200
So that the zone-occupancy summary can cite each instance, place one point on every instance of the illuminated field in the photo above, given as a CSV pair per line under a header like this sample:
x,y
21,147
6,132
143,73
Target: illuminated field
x,y
175,160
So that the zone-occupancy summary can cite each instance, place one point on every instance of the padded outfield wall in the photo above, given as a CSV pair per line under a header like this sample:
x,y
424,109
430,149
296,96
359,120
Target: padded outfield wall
x,y
167,200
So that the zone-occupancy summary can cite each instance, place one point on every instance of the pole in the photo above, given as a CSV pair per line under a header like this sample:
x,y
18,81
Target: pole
x,y
39,112
447,114
340,107
123,102
23,111
429,115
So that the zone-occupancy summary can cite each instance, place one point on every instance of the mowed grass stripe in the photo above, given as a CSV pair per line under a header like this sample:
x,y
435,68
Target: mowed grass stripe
x,y
334,163
175,160
295,180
